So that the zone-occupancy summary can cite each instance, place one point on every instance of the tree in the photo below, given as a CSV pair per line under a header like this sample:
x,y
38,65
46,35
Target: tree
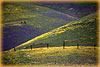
x,y
24,22
21,22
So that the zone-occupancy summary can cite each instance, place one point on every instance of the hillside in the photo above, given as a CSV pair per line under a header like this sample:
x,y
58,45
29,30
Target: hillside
x,y
35,35
47,18
33,13
38,20
83,31
76,9
17,34
53,56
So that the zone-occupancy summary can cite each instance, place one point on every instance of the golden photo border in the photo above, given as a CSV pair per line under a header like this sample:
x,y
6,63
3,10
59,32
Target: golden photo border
x,y
98,1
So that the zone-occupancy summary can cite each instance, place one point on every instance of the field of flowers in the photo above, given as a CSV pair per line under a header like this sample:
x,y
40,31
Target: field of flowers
x,y
85,55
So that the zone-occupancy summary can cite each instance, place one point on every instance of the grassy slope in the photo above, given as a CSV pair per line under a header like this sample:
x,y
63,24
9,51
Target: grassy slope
x,y
83,31
37,16
79,9
17,34
52,56
33,14
39,20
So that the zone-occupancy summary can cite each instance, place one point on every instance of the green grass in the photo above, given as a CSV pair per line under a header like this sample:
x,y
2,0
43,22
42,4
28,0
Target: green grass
x,y
83,31
52,56
14,13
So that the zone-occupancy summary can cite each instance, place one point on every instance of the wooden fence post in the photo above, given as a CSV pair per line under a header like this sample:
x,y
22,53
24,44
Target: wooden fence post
x,y
63,44
77,45
14,49
47,45
94,46
31,47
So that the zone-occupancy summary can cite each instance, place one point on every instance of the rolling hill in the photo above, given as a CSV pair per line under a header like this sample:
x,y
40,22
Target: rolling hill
x,y
38,20
47,26
76,9
83,31
54,56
